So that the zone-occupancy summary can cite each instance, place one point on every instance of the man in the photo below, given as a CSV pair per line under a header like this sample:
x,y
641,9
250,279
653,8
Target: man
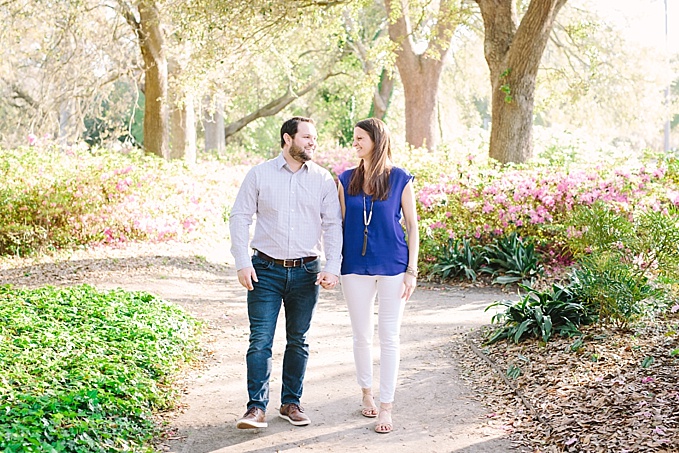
x,y
297,209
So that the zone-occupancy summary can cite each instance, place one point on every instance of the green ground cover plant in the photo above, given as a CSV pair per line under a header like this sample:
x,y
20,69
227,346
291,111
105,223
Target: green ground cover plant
x,y
83,370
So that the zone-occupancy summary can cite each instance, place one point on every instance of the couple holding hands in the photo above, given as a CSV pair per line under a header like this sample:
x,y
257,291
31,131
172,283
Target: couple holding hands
x,y
300,210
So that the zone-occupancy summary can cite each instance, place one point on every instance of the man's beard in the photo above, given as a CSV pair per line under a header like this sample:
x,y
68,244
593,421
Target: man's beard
x,y
299,154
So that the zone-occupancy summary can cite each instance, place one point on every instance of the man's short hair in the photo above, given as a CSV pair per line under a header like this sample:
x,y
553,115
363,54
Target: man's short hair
x,y
290,127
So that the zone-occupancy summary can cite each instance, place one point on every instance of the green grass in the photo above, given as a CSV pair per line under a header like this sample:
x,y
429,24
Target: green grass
x,y
82,370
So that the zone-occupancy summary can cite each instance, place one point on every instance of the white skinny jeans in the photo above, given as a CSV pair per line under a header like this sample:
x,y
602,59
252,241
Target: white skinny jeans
x,y
359,293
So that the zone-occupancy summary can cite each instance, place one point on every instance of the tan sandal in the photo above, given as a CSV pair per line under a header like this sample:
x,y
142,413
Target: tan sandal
x,y
369,409
384,424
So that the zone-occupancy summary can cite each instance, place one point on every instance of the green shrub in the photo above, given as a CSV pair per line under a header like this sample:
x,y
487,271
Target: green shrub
x,y
613,290
82,370
627,264
599,228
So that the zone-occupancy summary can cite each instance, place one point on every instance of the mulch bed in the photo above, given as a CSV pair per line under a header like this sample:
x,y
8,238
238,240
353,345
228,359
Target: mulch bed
x,y
612,391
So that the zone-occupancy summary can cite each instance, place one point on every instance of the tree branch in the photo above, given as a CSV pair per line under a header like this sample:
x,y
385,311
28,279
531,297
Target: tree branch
x,y
274,106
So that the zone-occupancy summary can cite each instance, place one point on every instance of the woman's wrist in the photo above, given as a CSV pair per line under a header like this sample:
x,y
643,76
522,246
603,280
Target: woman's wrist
x,y
412,271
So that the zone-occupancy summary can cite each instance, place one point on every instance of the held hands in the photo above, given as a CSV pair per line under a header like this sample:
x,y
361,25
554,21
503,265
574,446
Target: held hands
x,y
246,276
327,280
409,284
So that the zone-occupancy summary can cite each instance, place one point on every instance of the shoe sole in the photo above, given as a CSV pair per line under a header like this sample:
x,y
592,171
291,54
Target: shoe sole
x,y
251,424
293,422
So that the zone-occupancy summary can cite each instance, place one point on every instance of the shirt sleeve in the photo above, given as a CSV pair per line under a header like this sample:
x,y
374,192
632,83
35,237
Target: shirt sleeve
x,y
331,225
240,219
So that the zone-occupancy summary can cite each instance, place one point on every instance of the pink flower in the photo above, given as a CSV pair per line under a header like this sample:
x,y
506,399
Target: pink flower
x,y
673,196
32,140
647,379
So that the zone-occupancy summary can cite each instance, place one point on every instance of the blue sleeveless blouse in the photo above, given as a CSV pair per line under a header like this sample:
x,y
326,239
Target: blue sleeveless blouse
x,y
387,250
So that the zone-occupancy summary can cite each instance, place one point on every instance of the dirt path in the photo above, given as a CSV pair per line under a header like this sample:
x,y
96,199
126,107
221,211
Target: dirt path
x,y
434,410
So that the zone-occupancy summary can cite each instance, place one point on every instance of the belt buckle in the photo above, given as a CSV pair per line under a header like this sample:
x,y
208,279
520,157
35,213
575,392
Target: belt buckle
x,y
292,263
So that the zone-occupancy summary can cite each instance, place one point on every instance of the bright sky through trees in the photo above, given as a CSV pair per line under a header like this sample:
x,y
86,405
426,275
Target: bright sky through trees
x,y
645,20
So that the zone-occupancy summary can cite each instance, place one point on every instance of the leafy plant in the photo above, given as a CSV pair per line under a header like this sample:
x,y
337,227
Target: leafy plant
x,y
459,257
539,314
647,362
513,371
515,258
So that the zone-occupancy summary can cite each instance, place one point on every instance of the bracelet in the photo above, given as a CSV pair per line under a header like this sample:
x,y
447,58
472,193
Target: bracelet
x,y
411,271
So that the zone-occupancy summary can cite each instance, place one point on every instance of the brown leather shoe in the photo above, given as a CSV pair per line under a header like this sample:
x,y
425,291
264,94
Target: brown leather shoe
x,y
294,414
253,418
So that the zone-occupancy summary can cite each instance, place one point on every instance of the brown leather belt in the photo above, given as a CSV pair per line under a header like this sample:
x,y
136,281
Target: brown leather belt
x,y
285,263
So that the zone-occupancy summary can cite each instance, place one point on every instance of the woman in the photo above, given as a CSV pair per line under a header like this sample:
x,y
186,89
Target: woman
x,y
377,259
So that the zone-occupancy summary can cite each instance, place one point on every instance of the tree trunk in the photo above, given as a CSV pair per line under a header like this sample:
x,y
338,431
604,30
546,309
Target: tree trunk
x,y
152,45
382,95
183,136
420,77
421,73
513,55
213,123
70,122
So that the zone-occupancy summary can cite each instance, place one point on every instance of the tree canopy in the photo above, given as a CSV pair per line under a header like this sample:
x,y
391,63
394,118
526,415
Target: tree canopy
x,y
174,77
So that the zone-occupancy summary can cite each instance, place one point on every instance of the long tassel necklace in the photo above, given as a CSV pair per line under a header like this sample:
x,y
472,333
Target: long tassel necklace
x,y
366,221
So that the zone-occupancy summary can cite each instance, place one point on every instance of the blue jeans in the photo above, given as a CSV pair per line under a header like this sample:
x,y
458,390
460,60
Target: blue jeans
x,y
296,289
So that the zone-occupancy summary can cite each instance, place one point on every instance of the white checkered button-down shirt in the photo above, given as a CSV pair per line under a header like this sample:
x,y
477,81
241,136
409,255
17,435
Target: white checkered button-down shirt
x,y
295,214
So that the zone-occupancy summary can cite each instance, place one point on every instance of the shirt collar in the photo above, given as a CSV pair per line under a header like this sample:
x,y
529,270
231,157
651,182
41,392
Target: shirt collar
x,y
281,162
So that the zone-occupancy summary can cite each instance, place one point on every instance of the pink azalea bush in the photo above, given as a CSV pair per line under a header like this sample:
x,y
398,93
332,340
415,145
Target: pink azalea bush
x,y
336,160
482,202
60,197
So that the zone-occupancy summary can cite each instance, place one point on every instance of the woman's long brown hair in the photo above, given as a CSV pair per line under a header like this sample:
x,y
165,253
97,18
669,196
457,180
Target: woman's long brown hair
x,y
376,176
